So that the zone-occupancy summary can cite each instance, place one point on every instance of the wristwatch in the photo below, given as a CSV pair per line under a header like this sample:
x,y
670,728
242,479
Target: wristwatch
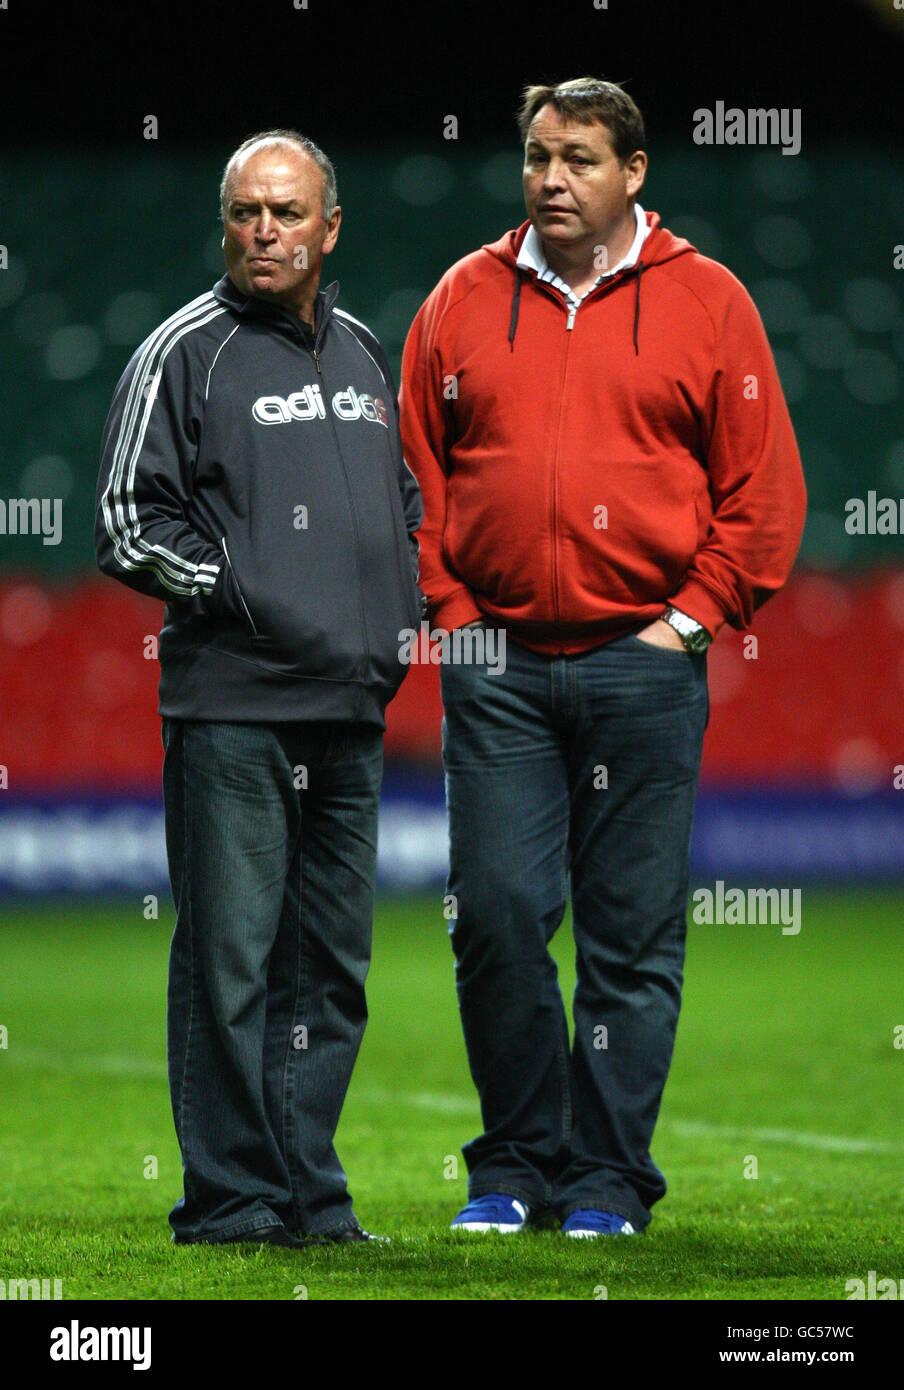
x,y
693,634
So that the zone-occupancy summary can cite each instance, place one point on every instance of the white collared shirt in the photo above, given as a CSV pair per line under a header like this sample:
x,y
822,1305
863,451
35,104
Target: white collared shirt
x,y
532,257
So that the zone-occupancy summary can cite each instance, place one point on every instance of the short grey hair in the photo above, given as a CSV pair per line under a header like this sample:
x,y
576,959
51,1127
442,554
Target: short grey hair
x,y
286,137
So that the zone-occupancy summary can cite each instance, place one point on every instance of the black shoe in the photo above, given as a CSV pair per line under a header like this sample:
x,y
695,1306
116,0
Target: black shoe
x,y
354,1234
262,1235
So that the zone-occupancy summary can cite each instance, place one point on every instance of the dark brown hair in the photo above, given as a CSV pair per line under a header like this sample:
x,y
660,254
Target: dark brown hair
x,y
589,99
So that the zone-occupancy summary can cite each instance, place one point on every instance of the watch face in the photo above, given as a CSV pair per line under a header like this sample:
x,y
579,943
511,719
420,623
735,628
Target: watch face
x,y
694,636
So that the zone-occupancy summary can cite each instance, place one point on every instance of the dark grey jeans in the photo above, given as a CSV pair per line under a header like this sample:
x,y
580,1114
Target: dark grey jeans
x,y
274,887
588,763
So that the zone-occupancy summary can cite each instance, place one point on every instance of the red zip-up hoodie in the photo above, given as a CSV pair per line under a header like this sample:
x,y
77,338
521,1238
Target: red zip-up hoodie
x,y
577,479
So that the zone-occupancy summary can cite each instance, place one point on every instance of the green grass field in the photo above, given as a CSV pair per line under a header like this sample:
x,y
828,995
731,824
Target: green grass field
x,y
785,1053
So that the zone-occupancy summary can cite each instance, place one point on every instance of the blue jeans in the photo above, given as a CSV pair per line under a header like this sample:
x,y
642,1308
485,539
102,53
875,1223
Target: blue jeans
x,y
272,837
588,763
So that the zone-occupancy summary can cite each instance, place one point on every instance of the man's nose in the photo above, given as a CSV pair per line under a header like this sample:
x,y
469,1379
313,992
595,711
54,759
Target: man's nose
x,y
555,171
265,226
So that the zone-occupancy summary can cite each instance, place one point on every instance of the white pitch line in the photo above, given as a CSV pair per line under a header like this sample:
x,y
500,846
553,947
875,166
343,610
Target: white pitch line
x,y
421,1100
119,1064
834,1143
86,1063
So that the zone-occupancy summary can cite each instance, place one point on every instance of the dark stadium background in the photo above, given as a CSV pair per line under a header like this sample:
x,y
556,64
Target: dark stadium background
x,y
790,1045
108,232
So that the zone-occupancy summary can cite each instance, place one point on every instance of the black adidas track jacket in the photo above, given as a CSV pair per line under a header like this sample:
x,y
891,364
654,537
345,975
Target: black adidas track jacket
x,y
252,477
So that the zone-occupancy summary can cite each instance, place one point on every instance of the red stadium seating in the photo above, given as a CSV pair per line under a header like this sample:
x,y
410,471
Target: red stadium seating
x,y
819,703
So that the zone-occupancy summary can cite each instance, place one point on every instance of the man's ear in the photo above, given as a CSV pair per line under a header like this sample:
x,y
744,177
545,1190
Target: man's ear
x,y
635,172
332,235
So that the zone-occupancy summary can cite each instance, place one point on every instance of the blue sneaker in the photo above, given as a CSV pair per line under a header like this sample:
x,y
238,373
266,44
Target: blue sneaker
x,y
494,1211
589,1222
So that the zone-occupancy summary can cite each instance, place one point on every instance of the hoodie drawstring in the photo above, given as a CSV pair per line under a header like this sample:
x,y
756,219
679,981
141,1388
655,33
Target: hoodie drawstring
x,y
516,297
516,300
637,307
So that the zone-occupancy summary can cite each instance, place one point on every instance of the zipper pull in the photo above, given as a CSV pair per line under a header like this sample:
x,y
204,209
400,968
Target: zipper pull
x,y
571,313
317,362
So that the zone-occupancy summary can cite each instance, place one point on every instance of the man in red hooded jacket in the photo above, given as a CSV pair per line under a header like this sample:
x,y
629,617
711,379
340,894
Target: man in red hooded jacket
x,y
609,474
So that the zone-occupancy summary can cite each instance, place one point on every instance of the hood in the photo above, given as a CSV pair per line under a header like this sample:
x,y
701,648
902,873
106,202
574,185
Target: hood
x,y
660,245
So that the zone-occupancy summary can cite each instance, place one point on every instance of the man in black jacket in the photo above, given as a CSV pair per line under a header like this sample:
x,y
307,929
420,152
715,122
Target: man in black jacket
x,y
253,478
